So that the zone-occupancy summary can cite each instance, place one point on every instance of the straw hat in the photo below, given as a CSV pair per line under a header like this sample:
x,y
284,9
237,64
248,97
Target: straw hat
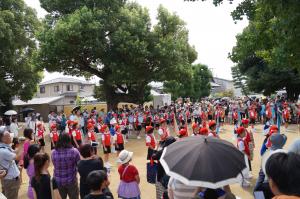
x,y
125,156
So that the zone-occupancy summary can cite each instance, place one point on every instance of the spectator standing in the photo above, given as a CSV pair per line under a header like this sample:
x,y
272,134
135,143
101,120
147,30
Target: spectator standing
x,y
11,182
65,158
88,163
44,187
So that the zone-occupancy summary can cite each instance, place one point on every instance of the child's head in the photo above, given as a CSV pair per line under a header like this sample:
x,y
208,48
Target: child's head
x,y
32,150
245,123
241,132
97,180
212,125
149,129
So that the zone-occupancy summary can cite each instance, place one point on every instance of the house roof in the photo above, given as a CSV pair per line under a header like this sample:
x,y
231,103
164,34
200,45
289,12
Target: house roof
x,y
65,80
34,101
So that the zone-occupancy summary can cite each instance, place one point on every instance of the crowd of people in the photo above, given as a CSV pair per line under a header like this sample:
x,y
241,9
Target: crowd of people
x,y
75,142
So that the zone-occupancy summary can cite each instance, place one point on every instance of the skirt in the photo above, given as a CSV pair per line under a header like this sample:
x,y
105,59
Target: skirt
x,y
128,189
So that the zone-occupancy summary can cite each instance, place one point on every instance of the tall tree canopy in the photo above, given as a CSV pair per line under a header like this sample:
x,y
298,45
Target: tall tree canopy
x,y
268,50
18,75
115,41
195,87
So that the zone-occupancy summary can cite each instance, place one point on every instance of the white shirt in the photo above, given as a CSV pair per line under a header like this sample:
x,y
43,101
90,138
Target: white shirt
x,y
179,190
14,129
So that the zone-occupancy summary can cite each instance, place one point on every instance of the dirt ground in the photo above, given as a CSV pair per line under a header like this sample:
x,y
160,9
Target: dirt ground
x,y
139,160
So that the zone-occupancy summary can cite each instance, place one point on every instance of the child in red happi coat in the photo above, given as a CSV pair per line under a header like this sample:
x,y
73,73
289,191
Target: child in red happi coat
x,y
106,143
286,115
91,136
195,129
76,135
119,140
253,116
212,129
250,142
150,141
40,135
53,135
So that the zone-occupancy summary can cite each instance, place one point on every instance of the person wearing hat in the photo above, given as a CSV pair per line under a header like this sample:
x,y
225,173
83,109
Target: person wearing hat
x,y
203,131
119,140
163,130
242,145
76,135
40,135
252,116
91,135
182,133
129,176
212,129
53,135
262,185
106,143
249,137
150,141
195,129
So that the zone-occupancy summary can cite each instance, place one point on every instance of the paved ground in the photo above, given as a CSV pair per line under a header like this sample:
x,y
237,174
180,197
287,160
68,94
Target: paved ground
x,y
139,159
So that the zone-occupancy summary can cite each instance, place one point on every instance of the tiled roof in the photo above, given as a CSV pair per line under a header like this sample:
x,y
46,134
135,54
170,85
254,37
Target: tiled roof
x,y
65,80
42,100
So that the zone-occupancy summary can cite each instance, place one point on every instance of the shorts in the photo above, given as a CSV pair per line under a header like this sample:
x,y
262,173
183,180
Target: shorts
x,y
189,120
210,117
252,121
157,125
53,146
125,131
139,127
42,142
150,153
168,121
119,147
108,150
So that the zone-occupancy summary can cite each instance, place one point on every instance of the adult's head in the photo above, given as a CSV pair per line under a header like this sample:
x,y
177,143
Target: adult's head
x,y
28,133
64,141
32,150
41,162
283,172
86,150
5,136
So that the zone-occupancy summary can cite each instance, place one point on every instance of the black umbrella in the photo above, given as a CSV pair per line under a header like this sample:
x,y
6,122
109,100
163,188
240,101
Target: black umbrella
x,y
27,110
76,108
204,162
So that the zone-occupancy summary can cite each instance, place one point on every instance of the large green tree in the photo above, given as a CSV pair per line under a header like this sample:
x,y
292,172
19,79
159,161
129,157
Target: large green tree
x,y
115,41
267,51
195,86
18,75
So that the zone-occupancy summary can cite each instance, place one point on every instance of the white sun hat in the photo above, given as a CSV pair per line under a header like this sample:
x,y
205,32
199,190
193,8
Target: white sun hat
x,y
125,156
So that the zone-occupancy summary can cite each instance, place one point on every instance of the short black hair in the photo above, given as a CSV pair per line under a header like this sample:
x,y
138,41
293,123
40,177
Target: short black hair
x,y
95,179
283,169
86,150
64,141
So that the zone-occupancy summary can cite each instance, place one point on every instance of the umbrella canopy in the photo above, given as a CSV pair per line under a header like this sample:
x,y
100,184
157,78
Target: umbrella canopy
x,y
27,110
76,108
204,162
10,112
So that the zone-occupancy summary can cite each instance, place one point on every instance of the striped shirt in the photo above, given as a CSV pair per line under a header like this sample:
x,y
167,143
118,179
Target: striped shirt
x,y
180,190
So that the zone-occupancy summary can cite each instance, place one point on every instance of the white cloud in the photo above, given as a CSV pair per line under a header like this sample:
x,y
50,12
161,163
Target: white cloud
x,y
211,29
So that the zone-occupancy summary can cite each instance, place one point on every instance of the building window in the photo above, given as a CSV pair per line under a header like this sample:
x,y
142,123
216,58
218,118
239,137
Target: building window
x,y
56,89
69,87
42,89
81,86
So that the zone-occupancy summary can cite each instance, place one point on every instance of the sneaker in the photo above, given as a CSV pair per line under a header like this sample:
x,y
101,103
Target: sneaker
x,y
245,183
250,176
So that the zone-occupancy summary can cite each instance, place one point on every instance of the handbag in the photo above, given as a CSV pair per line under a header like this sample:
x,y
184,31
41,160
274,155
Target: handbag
x,y
151,171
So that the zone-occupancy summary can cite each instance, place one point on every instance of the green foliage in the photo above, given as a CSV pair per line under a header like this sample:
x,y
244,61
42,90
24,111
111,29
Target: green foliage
x,y
18,74
227,93
268,50
115,41
239,80
195,86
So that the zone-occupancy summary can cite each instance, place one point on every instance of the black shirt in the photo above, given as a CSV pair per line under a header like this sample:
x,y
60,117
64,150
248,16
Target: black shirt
x,y
42,187
90,196
84,168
